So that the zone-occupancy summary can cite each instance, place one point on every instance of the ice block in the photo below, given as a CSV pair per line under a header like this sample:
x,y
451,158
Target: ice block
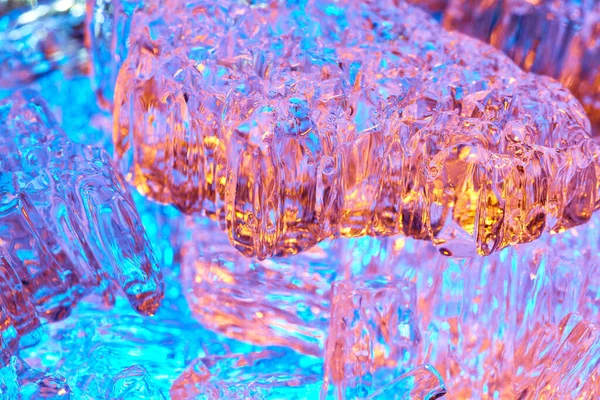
x,y
67,224
294,122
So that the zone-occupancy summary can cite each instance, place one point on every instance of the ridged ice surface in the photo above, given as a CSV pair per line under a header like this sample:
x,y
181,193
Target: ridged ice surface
x,y
294,122
521,323
421,383
268,374
554,38
67,225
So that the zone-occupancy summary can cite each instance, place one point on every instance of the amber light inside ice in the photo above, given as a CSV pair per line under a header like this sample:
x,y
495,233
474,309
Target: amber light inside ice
x,y
288,122
294,123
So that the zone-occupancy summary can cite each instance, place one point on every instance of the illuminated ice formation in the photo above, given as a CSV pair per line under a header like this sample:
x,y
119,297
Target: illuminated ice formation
x,y
292,123
67,225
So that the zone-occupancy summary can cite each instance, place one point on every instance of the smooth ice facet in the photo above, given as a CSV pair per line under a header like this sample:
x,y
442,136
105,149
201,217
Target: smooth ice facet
x,y
364,118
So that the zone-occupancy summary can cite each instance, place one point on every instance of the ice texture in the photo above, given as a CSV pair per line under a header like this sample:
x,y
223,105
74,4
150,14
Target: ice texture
x,y
35,41
103,353
271,302
18,381
279,301
267,374
99,351
295,122
133,382
42,49
107,32
68,226
373,336
422,383
520,323
554,38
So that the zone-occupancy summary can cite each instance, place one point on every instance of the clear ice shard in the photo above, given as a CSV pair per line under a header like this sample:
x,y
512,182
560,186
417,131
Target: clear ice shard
x,y
37,40
295,122
68,226
373,336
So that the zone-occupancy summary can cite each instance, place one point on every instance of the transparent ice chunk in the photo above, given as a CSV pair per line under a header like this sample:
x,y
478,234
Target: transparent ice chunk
x,y
290,139
68,226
